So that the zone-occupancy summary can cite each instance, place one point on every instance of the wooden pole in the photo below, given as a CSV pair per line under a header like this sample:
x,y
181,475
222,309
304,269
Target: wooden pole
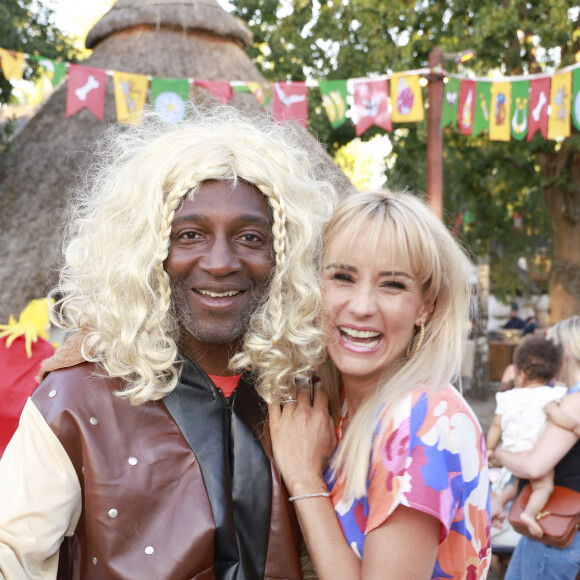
x,y
435,134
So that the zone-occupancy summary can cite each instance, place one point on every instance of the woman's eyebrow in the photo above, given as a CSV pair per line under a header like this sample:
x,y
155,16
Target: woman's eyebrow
x,y
396,273
341,267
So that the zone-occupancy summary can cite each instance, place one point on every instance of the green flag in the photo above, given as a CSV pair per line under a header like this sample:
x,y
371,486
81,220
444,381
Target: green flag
x,y
262,91
576,97
169,98
482,107
334,95
519,110
450,102
56,69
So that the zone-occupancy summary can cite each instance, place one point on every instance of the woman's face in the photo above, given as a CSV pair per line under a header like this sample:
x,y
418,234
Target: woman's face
x,y
372,303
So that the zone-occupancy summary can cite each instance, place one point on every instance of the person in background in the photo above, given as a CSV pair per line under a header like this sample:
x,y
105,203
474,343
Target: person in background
x,y
406,494
188,287
520,416
24,345
558,449
514,322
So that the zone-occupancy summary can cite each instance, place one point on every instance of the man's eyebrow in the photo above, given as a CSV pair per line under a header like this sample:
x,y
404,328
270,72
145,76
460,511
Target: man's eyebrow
x,y
200,218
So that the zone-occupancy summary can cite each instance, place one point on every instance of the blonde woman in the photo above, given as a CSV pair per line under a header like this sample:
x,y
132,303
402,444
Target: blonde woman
x,y
558,449
143,453
406,494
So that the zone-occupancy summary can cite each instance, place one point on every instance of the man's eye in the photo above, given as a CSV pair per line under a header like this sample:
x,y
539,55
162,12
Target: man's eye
x,y
251,238
189,235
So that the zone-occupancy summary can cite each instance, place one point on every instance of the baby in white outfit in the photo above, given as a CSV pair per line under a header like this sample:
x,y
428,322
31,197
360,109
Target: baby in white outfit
x,y
520,417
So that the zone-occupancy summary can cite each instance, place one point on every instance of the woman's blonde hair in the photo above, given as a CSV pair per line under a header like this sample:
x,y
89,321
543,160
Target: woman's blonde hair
x,y
567,334
113,284
403,223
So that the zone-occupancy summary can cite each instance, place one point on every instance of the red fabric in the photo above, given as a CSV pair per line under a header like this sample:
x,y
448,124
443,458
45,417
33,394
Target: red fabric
x,y
18,381
538,109
225,384
290,102
371,99
86,88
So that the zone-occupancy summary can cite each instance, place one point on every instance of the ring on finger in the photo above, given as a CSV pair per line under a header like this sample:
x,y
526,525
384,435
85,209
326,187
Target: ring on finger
x,y
289,400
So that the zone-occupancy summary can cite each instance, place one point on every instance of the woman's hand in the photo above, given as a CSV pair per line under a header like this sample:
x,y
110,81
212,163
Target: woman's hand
x,y
303,440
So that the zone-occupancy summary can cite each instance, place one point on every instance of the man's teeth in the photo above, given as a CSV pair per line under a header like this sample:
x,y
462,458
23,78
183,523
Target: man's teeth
x,y
359,333
218,294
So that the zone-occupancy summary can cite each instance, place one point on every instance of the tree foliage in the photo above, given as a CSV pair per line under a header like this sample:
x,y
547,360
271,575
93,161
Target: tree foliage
x,y
27,26
497,187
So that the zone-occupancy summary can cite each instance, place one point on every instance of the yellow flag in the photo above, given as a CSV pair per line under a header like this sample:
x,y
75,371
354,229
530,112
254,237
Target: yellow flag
x,y
560,102
501,106
12,64
130,95
407,99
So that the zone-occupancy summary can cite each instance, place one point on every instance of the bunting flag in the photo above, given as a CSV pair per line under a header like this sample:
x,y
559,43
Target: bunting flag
x,y
222,91
371,101
450,103
499,122
169,98
576,97
130,95
482,107
466,106
262,91
560,101
55,69
538,111
407,99
519,109
12,63
334,95
86,88
290,102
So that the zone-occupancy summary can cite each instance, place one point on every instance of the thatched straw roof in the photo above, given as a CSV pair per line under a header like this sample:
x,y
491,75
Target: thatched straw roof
x,y
162,38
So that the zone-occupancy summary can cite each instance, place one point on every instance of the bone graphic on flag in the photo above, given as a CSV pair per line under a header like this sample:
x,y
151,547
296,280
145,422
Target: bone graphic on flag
x,y
537,110
290,99
83,91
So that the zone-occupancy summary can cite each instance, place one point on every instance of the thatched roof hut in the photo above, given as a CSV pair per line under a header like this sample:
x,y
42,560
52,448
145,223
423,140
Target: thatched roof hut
x,y
161,38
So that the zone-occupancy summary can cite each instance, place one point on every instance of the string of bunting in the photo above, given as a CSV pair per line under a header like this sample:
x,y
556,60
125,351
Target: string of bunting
x,y
511,107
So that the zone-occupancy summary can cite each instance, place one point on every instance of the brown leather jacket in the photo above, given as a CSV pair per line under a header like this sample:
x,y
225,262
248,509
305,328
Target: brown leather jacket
x,y
175,489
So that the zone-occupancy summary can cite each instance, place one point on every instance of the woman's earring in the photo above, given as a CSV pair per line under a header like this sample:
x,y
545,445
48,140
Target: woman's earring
x,y
419,342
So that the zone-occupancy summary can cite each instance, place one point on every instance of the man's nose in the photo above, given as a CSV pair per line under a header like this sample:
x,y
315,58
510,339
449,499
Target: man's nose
x,y
221,258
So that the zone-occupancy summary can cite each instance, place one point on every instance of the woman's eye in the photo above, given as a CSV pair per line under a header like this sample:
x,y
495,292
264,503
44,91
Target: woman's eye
x,y
394,284
341,277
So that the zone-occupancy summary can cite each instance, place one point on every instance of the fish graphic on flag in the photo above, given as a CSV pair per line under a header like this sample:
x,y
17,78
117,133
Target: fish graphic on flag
x,y
86,88
466,107
407,99
290,102
130,95
12,63
371,103
560,102
499,122
538,109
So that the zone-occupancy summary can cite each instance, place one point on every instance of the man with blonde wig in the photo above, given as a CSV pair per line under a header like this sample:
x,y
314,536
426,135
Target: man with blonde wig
x,y
188,288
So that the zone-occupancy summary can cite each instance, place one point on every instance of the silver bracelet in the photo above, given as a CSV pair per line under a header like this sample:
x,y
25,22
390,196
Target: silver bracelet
x,y
321,494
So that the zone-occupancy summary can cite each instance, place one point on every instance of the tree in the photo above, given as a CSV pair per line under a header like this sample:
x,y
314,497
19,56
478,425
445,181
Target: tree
x,y
511,191
26,26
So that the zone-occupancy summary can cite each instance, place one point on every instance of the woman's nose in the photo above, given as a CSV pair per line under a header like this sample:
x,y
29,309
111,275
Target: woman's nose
x,y
363,300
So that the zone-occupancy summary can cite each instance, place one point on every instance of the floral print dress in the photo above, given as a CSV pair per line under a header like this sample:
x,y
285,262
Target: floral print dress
x,y
430,456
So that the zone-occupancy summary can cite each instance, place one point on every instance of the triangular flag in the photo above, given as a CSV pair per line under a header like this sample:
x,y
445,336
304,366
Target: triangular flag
x,y
560,102
466,107
334,95
407,98
56,69
169,98
262,91
130,95
450,102
86,88
222,91
291,102
371,101
576,97
12,63
482,107
519,109
499,123
538,109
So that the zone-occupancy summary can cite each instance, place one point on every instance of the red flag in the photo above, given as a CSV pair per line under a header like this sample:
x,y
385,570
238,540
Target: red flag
x,y
86,88
222,91
371,101
466,107
538,109
291,102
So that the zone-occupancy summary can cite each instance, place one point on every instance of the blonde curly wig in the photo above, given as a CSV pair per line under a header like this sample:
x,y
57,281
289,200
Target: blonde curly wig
x,y
113,284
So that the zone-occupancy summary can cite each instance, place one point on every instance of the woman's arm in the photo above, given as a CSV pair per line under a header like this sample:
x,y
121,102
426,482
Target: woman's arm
x,y
302,440
553,443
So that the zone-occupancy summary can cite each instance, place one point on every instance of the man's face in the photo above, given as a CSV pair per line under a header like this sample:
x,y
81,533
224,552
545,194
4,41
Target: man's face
x,y
220,260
